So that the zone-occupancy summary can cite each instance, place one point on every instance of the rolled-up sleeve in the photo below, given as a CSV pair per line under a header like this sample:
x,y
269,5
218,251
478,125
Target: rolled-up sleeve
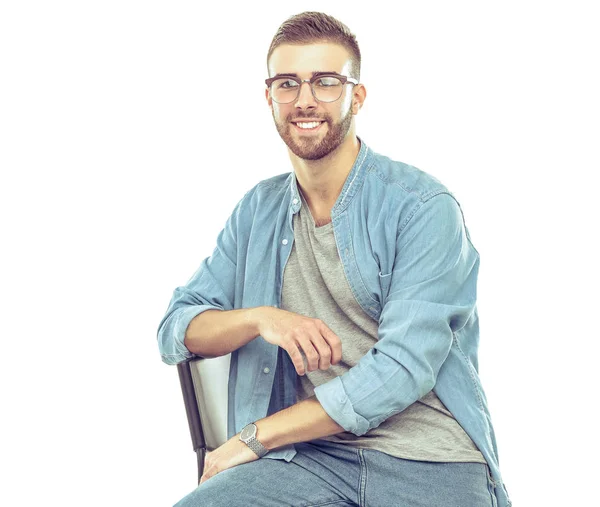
x,y
432,295
211,287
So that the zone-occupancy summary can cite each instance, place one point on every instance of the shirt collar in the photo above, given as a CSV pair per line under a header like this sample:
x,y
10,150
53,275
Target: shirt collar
x,y
352,184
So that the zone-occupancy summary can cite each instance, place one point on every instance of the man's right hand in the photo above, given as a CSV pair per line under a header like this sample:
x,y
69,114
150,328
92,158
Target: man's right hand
x,y
295,333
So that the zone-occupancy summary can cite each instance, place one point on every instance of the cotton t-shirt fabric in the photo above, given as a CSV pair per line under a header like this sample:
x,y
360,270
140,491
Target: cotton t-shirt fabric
x,y
315,285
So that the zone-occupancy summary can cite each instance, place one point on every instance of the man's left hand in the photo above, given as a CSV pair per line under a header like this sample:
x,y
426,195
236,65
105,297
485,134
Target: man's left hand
x,y
232,453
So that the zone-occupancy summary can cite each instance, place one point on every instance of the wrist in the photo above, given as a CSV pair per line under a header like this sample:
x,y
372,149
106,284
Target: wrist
x,y
249,435
256,317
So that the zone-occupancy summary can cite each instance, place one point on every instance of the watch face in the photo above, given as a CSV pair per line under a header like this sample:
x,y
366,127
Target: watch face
x,y
247,432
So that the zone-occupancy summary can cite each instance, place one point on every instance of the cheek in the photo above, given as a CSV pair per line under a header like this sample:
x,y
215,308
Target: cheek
x,y
347,103
279,113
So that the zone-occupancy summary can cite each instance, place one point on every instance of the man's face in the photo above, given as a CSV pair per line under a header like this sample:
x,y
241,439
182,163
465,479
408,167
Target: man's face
x,y
336,117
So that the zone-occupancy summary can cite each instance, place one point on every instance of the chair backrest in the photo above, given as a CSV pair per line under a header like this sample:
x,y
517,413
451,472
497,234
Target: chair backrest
x,y
204,384
211,380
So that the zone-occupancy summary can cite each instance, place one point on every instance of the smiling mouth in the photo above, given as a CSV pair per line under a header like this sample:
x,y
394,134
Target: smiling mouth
x,y
308,126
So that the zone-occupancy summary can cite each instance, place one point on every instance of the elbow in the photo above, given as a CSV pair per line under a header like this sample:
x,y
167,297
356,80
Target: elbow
x,y
169,352
168,348
167,359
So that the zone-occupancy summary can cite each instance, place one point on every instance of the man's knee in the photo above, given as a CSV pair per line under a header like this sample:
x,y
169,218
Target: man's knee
x,y
226,489
214,489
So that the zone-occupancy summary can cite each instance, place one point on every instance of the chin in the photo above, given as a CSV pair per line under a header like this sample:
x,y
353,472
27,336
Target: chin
x,y
316,153
315,147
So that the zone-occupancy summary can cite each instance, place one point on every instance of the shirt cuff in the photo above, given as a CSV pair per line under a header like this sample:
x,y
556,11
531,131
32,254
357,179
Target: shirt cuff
x,y
286,452
332,397
179,352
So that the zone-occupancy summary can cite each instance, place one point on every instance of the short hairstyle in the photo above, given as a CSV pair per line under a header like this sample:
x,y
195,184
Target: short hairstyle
x,y
310,27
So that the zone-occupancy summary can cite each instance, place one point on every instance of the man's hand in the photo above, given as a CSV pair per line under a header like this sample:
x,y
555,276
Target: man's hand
x,y
232,453
295,333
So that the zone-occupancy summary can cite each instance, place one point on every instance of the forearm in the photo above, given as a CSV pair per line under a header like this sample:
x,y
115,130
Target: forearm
x,y
304,421
215,333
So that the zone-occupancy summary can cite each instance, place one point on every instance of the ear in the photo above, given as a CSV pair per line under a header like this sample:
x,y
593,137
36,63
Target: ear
x,y
268,97
358,97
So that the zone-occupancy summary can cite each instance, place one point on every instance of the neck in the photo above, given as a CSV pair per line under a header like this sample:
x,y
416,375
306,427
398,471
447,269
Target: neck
x,y
321,181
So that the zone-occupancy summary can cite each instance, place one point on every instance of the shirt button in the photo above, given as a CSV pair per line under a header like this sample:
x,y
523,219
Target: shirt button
x,y
266,370
294,201
285,242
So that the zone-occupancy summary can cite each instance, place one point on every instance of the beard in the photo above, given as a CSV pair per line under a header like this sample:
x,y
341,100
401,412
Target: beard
x,y
309,147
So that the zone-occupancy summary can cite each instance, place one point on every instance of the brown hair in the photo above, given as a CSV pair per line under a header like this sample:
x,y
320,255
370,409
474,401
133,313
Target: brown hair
x,y
310,27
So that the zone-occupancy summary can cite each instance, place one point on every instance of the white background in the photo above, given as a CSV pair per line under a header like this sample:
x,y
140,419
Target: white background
x,y
130,129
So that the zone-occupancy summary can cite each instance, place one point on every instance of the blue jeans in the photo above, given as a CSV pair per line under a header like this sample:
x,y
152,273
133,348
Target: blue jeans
x,y
332,474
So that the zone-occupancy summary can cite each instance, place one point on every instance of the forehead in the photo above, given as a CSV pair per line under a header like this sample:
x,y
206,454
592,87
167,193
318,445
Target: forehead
x,y
308,58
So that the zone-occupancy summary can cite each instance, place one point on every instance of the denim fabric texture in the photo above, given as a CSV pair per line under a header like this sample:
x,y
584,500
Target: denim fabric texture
x,y
326,473
411,265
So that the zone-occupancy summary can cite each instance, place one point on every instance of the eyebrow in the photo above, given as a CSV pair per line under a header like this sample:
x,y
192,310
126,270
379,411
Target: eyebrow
x,y
291,74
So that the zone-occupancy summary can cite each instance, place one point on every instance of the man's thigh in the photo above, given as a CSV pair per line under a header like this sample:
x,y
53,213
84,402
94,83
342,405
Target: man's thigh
x,y
408,483
316,476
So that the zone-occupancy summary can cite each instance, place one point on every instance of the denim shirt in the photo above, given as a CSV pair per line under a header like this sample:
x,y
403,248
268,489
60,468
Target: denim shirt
x,y
410,263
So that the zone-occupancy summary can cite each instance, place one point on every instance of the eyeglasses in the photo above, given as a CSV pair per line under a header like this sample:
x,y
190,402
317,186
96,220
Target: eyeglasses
x,y
325,87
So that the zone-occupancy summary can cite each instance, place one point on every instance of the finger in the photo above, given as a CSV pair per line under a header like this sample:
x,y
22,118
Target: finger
x,y
208,473
205,467
323,350
312,356
296,357
334,341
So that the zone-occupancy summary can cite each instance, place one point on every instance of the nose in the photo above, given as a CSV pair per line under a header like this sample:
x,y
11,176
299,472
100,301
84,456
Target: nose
x,y
305,98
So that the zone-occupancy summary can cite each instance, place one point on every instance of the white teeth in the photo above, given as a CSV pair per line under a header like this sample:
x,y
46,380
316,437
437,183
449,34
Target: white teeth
x,y
310,125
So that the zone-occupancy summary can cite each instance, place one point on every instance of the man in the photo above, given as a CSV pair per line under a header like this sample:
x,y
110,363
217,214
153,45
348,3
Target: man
x,y
346,294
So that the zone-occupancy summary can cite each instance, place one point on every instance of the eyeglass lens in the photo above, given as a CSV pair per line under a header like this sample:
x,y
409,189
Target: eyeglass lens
x,y
325,89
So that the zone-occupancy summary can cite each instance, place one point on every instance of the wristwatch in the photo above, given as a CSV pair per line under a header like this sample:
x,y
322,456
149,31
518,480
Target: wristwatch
x,y
248,436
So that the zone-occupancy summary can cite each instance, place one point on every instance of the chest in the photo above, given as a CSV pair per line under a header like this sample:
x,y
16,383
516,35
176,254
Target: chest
x,y
320,221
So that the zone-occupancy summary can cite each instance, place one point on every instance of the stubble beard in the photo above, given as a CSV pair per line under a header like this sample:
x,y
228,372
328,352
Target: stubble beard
x,y
309,148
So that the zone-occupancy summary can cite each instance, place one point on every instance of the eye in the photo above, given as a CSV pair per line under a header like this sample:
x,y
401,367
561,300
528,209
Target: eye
x,y
327,82
286,83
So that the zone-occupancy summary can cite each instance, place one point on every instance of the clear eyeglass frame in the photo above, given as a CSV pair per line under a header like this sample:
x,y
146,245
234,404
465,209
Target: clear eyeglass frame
x,y
344,80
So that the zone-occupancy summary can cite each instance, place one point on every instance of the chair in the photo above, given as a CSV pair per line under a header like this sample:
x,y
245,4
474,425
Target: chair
x,y
204,386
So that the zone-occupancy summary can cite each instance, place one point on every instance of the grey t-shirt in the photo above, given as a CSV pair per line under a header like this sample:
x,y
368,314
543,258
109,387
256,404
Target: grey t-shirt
x,y
315,285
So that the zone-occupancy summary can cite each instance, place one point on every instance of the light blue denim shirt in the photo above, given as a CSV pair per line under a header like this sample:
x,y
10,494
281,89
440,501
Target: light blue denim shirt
x,y
410,263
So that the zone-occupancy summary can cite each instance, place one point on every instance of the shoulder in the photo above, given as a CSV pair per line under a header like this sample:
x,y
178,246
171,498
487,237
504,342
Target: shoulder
x,y
265,194
409,195
274,184
403,181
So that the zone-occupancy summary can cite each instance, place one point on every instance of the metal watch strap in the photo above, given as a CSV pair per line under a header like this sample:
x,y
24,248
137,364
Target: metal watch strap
x,y
257,447
254,444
